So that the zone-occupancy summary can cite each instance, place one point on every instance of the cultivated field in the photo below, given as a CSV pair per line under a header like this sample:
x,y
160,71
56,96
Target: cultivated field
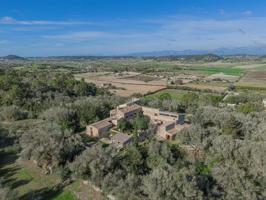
x,y
222,76
253,79
207,86
125,84
177,94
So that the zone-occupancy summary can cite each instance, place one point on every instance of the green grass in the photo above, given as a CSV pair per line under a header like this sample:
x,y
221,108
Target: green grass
x,y
24,174
35,181
174,93
66,195
27,178
215,70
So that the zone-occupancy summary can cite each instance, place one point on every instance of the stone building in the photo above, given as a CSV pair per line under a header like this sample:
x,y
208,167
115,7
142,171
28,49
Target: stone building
x,y
167,130
99,129
126,111
167,124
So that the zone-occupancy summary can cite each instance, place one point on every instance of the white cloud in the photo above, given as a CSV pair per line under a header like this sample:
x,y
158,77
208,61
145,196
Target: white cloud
x,y
83,35
248,13
174,33
89,35
13,21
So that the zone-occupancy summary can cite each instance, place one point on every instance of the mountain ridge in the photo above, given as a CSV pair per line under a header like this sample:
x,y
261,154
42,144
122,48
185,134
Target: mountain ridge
x,y
253,50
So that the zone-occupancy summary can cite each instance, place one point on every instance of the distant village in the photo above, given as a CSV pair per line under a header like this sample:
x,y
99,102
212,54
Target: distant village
x,y
165,124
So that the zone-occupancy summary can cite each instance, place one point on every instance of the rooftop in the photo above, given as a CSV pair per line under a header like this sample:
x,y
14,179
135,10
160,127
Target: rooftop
x,y
168,113
130,108
102,124
121,137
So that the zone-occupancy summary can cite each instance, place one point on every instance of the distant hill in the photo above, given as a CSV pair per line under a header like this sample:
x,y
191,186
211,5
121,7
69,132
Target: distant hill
x,y
204,58
190,58
184,58
250,50
13,57
168,53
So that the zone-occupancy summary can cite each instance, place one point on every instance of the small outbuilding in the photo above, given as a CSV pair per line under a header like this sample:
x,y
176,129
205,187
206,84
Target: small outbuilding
x,y
121,140
167,130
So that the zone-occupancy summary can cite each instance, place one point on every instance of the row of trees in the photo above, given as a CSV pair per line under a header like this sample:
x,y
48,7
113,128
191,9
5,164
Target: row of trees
x,y
188,102
191,101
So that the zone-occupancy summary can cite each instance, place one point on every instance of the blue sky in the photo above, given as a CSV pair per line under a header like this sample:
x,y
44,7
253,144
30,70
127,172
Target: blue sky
x,y
113,27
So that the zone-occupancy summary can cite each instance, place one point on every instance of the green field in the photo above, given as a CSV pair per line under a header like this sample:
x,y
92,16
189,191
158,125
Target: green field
x,y
175,94
65,196
215,70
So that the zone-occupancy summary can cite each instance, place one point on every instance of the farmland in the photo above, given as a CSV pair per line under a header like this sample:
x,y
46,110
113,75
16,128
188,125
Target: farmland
x,y
253,79
215,70
137,75
125,85
127,76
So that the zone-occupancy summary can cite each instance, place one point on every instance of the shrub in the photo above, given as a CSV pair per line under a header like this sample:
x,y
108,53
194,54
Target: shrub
x,y
250,107
12,113
66,118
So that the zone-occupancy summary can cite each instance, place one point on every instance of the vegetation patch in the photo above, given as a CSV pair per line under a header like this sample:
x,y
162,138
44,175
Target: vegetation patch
x,y
215,70
66,195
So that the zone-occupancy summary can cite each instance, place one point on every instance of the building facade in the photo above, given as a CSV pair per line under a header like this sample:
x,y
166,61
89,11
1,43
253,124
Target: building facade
x,y
99,129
